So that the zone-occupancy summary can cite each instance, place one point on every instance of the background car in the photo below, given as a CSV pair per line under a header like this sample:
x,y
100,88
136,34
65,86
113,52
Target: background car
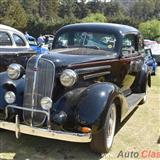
x,y
38,48
14,47
150,61
155,49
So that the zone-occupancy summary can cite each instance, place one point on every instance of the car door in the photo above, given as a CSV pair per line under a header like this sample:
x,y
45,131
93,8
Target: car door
x,y
131,62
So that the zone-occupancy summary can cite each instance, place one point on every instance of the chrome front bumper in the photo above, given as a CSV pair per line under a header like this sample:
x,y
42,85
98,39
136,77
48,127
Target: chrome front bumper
x,y
46,133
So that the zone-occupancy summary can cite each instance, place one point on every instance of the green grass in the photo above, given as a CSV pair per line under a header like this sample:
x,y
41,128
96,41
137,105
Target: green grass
x,y
156,79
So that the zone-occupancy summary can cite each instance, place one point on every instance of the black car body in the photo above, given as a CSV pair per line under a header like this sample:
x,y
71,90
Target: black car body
x,y
80,92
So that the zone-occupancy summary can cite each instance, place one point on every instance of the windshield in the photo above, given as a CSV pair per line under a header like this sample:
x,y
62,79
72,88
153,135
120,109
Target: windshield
x,y
32,41
102,41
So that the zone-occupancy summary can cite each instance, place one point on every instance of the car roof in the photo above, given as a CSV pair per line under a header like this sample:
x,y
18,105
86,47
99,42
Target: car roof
x,y
122,29
8,28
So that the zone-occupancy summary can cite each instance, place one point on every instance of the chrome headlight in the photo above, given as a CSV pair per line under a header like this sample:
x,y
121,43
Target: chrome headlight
x,y
10,97
46,103
15,71
68,78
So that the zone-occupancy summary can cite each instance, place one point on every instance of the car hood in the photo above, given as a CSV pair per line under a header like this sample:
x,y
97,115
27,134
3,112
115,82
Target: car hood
x,y
64,57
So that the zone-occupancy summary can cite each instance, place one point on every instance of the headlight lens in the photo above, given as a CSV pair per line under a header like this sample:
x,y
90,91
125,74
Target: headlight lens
x,y
46,103
10,97
15,71
68,78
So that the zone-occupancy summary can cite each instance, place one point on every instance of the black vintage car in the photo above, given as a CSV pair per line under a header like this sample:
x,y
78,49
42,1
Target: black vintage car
x,y
80,92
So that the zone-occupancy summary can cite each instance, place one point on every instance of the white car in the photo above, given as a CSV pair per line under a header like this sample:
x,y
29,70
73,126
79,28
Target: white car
x,y
14,47
12,38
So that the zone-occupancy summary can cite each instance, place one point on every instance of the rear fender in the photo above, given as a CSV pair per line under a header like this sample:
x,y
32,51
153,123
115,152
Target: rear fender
x,y
144,79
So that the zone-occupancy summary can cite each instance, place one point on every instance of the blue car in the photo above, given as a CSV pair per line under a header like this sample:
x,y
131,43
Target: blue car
x,y
38,48
150,61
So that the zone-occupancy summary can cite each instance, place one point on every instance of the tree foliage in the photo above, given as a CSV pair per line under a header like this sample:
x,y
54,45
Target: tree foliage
x,y
150,29
48,9
31,7
13,14
45,16
95,17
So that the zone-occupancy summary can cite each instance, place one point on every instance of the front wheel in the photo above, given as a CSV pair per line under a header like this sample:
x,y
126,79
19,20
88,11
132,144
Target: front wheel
x,y
102,141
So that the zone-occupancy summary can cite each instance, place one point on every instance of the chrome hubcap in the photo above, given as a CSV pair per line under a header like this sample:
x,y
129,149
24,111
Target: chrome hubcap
x,y
111,126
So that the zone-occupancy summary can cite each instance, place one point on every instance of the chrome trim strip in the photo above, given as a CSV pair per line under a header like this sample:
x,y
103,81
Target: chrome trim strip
x,y
46,133
91,69
95,75
35,77
34,87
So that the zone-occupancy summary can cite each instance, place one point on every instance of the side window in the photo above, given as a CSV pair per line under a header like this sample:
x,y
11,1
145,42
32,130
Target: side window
x,y
18,40
130,46
5,39
62,41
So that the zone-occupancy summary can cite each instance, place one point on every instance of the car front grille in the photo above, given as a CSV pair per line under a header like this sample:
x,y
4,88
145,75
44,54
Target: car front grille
x,y
39,83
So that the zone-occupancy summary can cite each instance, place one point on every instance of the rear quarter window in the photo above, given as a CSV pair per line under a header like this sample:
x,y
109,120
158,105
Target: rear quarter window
x,y
5,39
19,40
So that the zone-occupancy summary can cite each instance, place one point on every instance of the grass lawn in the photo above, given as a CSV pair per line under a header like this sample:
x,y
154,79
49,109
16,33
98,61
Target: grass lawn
x,y
140,133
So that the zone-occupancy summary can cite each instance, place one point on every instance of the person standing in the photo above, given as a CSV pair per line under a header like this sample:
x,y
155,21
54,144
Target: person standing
x,y
40,39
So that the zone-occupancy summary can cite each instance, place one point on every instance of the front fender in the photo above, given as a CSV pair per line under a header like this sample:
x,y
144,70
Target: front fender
x,y
6,84
95,101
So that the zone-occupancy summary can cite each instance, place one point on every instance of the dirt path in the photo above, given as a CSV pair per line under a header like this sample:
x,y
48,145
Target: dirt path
x,y
140,132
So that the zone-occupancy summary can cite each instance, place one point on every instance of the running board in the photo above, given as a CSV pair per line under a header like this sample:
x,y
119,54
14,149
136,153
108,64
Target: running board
x,y
134,99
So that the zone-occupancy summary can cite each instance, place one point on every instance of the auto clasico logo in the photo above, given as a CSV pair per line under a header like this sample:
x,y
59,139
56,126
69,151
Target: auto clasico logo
x,y
143,154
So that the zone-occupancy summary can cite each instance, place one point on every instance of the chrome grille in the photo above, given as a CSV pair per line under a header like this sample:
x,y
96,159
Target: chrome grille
x,y
39,83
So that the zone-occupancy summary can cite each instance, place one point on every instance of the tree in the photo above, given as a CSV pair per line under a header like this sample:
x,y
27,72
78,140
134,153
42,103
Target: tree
x,y
143,10
157,9
48,9
113,9
31,7
95,17
13,14
96,6
81,9
150,29
67,8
